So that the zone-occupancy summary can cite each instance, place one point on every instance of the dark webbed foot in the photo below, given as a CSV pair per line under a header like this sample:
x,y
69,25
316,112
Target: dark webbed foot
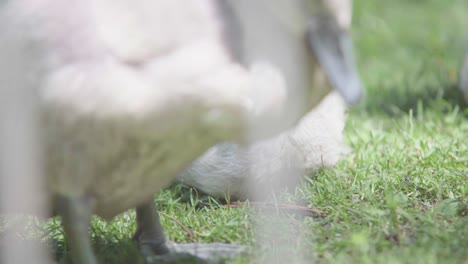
x,y
211,252
152,242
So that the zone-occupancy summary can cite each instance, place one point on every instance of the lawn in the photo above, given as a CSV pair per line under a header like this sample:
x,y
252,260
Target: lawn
x,y
402,196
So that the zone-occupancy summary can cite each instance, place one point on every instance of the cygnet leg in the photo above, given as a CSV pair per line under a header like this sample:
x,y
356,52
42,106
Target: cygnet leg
x,y
149,233
76,215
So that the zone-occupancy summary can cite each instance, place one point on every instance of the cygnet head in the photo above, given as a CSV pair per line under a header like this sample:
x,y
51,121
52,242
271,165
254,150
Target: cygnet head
x,y
331,43
304,41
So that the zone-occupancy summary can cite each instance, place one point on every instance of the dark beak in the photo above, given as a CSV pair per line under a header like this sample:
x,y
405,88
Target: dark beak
x,y
333,49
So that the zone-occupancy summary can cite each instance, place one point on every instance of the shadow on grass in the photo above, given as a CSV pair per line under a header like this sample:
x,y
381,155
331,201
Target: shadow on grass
x,y
413,94
107,250
122,251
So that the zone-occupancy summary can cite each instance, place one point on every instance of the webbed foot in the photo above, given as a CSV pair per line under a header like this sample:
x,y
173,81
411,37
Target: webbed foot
x,y
155,249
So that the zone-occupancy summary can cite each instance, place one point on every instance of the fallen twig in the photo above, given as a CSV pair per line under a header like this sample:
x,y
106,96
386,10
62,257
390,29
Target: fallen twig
x,y
185,228
282,207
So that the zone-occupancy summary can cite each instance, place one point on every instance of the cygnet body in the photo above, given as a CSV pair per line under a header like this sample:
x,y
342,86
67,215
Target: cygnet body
x,y
229,169
131,92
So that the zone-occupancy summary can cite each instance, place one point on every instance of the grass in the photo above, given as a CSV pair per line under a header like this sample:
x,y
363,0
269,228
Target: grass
x,y
402,196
